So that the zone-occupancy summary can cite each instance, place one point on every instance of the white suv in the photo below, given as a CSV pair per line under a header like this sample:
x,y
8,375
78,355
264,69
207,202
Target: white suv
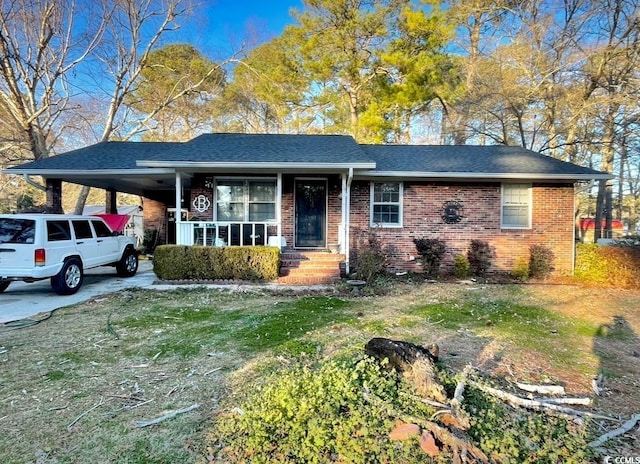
x,y
40,246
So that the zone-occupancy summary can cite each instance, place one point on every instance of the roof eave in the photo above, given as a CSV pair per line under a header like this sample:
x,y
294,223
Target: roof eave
x,y
252,165
54,173
485,175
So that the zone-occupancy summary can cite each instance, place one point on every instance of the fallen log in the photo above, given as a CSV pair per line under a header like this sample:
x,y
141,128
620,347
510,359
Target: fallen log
x,y
631,423
543,389
515,400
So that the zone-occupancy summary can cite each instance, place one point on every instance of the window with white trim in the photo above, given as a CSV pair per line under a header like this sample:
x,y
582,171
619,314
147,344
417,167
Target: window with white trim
x,y
246,200
386,204
516,206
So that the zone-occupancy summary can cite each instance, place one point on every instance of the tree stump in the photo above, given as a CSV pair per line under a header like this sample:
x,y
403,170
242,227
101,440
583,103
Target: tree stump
x,y
415,362
401,355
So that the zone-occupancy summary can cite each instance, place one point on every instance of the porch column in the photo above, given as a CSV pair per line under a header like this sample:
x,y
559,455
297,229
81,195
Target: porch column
x,y
54,195
347,225
111,203
279,209
178,221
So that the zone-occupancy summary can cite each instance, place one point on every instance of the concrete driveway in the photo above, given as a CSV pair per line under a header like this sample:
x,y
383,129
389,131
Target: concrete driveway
x,y
36,300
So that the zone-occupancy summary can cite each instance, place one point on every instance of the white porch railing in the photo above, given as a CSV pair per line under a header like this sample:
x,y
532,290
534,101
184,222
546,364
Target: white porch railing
x,y
215,233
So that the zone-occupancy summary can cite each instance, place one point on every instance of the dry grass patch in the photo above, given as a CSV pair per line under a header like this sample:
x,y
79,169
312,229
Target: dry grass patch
x,y
119,359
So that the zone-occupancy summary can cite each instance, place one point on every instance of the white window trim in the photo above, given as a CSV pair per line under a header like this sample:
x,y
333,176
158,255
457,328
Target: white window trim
x,y
245,199
529,209
400,203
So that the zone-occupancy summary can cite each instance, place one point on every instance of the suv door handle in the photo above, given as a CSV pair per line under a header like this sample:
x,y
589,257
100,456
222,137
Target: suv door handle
x,y
79,243
99,241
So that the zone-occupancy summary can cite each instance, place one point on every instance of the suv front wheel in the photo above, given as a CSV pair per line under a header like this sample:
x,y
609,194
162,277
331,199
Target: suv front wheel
x,y
128,265
69,279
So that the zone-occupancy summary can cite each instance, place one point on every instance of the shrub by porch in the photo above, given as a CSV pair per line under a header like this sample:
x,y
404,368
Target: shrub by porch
x,y
179,262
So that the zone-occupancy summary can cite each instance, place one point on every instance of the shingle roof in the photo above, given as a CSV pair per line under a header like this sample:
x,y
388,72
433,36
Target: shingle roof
x,y
272,148
277,149
498,159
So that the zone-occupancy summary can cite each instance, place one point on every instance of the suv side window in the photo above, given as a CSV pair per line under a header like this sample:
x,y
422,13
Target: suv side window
x,y
101,229
17,230
82,229
58,231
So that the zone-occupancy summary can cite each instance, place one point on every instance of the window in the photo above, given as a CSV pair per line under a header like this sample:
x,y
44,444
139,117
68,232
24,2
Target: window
x,y
250,200
17,230
101,229
386,204
82,229
58,231
516,206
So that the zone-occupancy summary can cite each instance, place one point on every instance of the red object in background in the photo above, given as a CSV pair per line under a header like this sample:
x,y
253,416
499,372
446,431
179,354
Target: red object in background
x,y
116,222
590,223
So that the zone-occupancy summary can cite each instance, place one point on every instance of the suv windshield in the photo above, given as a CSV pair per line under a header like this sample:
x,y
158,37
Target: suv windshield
x,y
17,230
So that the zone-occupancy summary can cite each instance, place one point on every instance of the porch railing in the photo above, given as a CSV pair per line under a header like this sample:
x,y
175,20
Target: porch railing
x,y
216,233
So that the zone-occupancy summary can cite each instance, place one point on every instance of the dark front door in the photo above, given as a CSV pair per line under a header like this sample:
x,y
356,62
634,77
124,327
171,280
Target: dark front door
x,y
311,213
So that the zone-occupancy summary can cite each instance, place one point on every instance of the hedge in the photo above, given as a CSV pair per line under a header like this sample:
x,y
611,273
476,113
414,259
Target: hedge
x,y
179,262
612,266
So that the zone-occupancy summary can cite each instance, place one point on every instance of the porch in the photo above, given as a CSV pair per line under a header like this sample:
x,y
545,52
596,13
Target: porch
x,y
297,267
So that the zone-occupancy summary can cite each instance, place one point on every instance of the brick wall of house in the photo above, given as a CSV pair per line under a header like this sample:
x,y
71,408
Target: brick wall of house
x,y
552,223
154,215
198,188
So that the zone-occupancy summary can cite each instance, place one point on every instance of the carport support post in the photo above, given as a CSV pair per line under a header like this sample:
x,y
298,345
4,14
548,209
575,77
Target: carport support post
x,y
54,195
178,221
111,201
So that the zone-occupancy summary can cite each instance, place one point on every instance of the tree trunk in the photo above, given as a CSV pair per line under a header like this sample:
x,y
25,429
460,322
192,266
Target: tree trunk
x,y
82,199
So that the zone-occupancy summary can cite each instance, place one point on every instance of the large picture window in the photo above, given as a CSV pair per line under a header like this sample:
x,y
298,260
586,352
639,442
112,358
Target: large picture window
x,y
386,204
516,206
246,200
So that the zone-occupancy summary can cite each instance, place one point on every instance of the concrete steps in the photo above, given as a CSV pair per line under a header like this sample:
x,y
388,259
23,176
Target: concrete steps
x,y
309,267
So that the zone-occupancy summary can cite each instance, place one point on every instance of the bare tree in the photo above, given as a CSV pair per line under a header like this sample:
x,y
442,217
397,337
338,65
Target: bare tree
x,y
134,29
40,45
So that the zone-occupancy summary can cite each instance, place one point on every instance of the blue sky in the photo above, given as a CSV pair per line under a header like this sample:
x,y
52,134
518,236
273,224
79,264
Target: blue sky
x,y
226,24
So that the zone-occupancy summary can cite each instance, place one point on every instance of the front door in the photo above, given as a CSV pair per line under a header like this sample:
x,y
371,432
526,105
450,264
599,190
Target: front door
x,y
311,213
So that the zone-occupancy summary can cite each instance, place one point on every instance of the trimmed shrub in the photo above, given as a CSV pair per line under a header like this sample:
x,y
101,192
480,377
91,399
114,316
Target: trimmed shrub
x,y
521,270
180,262
431,251
540,262
613,266
480,256
461,267
371,259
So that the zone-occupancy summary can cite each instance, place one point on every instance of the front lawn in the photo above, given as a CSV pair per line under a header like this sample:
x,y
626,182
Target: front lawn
x,y
74,387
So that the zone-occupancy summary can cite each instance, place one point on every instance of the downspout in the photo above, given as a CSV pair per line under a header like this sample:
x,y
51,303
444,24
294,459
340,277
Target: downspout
x,y
34,183
347,221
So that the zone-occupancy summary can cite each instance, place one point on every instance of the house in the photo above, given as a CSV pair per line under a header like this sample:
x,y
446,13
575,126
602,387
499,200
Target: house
x,y
318,193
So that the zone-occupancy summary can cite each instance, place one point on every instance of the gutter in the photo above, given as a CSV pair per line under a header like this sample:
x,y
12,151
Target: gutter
x,y
33,183
484,175
252,164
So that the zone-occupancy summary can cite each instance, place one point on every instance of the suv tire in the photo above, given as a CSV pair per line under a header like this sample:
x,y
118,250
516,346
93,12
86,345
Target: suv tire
x,y
128,264
69,280
4,285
